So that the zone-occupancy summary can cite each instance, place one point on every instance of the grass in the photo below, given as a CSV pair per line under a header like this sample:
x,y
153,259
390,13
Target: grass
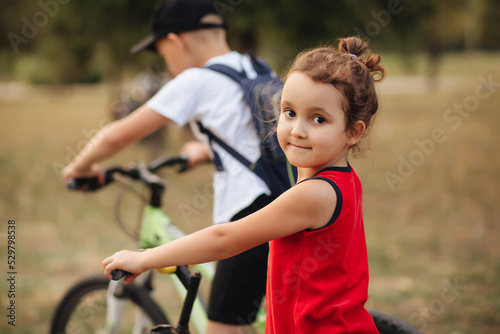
x,y
434,228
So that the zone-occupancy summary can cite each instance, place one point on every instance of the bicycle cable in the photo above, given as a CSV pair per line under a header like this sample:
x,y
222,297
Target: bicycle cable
x,y
125,187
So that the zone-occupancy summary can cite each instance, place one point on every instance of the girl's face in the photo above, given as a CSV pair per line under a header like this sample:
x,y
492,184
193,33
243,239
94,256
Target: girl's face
x,y
311,128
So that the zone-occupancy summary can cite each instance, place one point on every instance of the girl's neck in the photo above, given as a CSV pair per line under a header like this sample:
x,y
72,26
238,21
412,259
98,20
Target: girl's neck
x,y
307,172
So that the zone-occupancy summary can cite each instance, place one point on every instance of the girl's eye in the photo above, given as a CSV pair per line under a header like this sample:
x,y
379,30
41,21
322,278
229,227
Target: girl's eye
x,y
319,120
289,113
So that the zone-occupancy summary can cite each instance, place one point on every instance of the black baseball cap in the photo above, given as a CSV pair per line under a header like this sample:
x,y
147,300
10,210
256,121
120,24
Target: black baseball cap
x,y
177,16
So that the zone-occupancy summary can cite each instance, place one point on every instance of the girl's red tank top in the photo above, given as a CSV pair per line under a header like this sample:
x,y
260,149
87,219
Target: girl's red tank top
x,y
318,279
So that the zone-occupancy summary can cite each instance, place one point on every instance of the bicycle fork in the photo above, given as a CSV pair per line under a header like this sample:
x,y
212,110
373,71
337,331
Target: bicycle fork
x,y
183,325
116,303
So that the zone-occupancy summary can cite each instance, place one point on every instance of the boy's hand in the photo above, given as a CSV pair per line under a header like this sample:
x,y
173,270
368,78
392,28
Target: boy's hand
x,y
71,172
125,260
196,152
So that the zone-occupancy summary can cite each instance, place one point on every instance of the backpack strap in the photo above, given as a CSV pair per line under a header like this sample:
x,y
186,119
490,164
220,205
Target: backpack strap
x,y
236,76
264,73
229,72
260,66
262,69
217,161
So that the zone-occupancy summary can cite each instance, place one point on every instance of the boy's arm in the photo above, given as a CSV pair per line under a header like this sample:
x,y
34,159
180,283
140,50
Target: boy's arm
x,y
112,139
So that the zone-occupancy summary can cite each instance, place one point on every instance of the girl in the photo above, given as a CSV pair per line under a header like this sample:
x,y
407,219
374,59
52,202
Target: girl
x,y
318,268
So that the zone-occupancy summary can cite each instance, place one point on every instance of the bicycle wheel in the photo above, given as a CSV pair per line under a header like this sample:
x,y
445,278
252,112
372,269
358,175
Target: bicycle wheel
x,y
387,324
83,309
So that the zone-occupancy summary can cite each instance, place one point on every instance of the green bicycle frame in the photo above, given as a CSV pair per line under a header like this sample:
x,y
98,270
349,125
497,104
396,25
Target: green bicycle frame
x,y
157,229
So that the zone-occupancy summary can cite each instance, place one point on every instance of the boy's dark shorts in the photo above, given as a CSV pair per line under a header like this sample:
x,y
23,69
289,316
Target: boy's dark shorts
x,y
240,282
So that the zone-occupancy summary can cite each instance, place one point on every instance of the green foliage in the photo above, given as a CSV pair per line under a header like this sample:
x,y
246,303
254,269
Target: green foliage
x,y
64,34
489,35
66,38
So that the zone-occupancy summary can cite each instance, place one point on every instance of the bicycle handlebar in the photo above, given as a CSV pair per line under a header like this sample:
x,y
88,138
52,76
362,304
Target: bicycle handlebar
x,y
118,274
136,171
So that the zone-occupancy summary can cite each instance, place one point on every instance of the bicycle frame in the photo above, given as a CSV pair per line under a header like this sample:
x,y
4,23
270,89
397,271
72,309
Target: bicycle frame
x,y
156,229
157,225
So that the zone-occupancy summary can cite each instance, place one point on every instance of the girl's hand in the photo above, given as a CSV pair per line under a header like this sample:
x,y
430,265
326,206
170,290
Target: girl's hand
x,y
125,260
72,172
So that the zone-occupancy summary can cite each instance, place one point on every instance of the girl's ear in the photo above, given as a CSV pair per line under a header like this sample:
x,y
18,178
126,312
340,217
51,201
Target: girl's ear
x,y
355,133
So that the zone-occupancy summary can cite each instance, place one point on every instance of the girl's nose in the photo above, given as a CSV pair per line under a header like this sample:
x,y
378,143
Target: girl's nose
x,y
298,130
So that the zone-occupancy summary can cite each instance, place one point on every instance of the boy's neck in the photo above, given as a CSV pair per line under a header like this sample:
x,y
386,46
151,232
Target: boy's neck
x,y
205,45
211,51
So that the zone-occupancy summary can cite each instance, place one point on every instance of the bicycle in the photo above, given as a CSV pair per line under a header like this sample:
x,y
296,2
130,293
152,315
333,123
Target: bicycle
x,y
98,305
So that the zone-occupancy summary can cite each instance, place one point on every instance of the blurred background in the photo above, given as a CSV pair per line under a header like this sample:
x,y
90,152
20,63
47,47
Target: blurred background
x,y
430,174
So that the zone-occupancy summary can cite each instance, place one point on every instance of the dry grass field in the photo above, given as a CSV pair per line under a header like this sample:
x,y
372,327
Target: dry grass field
x,y
430,182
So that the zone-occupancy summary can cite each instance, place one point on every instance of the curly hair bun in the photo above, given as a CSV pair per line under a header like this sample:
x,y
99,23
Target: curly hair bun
x,y
358,47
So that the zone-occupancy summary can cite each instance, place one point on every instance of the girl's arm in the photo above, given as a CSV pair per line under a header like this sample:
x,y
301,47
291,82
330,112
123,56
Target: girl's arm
x,y
112,139
307,205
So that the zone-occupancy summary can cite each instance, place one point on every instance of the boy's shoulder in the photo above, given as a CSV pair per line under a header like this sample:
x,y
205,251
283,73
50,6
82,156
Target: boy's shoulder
x,y
195,77
232,59
235,60
200,82
201,76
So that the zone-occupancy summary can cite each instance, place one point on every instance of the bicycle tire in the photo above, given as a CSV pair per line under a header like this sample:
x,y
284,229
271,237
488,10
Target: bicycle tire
x,y
388,324
77,309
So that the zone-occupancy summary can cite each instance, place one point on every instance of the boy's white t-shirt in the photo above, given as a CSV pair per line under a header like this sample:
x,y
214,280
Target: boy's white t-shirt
x,y
200,94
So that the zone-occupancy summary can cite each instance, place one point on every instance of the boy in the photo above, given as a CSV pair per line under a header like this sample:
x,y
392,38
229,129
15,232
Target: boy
x,y
189,34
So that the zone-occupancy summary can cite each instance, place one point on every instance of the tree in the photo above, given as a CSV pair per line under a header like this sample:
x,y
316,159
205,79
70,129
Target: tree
x,y
74,41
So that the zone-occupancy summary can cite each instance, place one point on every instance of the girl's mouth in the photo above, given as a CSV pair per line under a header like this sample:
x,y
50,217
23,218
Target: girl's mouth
x,y
299,146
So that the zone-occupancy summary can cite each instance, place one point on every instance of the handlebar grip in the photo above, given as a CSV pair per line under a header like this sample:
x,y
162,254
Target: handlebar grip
x,y
89,184
118,274
71,184
84,183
